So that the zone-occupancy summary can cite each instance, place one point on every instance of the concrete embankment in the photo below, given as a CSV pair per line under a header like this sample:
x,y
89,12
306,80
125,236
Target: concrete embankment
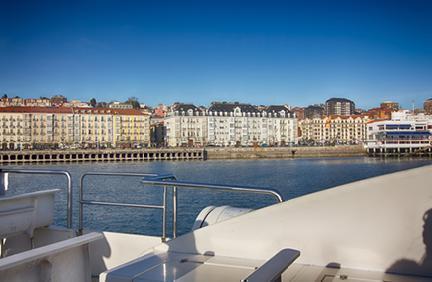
x,y
30,156
284,152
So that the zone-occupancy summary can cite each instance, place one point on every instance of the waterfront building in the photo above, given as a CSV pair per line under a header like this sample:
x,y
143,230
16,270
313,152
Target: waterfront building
x,y
186,125
334,130
314,111
230,124
235,124
405,133
339,107
427,105
61,127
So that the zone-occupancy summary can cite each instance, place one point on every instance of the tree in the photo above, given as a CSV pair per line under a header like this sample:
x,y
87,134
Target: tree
x,y
134,102
4,96
93,102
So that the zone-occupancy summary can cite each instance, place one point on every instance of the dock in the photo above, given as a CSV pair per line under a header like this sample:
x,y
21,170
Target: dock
x,y
147,154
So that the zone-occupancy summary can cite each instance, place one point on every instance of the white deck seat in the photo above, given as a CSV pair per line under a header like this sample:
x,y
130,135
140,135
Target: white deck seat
x,y
66,260
25,212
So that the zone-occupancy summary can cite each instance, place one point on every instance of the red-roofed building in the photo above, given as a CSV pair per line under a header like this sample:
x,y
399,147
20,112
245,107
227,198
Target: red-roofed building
x,y
57,127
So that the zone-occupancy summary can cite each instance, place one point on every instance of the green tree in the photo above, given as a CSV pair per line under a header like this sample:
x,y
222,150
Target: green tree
x,y
5,95
134,102
93,102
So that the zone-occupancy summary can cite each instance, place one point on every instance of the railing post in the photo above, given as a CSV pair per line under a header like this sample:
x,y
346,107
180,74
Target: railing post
x,y
69,199
174,211
164,214
81,205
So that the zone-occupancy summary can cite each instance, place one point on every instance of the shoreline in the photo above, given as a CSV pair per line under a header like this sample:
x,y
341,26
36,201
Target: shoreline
x,y
285,152
172,154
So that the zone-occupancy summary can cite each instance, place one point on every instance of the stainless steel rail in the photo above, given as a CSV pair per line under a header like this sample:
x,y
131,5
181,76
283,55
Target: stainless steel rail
x,y
165,181
83,202
213,187
49,172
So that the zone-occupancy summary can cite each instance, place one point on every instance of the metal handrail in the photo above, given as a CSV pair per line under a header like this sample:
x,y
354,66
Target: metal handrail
x,y
164,180
213,187
50,172
231,188
155,176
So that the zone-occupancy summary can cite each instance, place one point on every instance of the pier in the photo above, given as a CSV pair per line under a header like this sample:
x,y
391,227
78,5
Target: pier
x,y
400,151
19,157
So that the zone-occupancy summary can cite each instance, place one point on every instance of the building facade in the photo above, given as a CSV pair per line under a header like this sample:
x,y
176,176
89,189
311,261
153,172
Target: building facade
x,y
404,133
314,111
43,128
235,124
389,105
334,130
186,125
339,107
427,105
230,124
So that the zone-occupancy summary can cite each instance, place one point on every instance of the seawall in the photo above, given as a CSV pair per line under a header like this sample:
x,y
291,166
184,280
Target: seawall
x,y
284,152
18,157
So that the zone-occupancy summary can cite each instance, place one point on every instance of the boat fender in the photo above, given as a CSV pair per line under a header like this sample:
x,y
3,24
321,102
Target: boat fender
x,y
211,215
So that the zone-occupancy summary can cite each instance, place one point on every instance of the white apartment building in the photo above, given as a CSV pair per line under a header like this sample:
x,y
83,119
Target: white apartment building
x,y
186,125
404,133
230,124
244,125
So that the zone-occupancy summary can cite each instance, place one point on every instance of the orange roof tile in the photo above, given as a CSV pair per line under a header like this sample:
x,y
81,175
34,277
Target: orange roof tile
x,y
64,110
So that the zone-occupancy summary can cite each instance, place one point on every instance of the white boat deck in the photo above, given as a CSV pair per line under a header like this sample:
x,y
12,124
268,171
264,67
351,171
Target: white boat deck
x,y
378,229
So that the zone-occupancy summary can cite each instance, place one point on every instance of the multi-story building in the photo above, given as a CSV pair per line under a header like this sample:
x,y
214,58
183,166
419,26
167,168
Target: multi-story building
x,y
119,105
28,102
76,104
186,125
334,130
314,111
389,105
339,107
427,105
230,124
42,127
404,133
235,124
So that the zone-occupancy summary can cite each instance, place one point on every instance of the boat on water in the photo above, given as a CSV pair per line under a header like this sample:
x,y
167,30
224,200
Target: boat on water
x,y
377,229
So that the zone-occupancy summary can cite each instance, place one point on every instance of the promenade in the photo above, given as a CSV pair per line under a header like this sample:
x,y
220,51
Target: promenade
x,y
285,152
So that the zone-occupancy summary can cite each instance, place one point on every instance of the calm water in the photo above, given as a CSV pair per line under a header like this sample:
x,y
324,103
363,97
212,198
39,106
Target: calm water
x,y
292,178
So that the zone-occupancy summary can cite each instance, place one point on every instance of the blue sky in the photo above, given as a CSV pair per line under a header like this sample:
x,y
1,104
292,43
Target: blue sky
x,y
262,52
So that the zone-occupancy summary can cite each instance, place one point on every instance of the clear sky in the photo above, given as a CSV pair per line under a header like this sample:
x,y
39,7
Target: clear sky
x,y
296,53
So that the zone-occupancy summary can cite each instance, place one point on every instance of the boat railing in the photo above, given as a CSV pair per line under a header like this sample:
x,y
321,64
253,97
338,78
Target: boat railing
x,y
4,175
165,181
83,202
211,187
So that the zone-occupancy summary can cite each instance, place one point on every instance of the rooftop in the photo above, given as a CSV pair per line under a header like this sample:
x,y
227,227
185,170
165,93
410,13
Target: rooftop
x,y
71,110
